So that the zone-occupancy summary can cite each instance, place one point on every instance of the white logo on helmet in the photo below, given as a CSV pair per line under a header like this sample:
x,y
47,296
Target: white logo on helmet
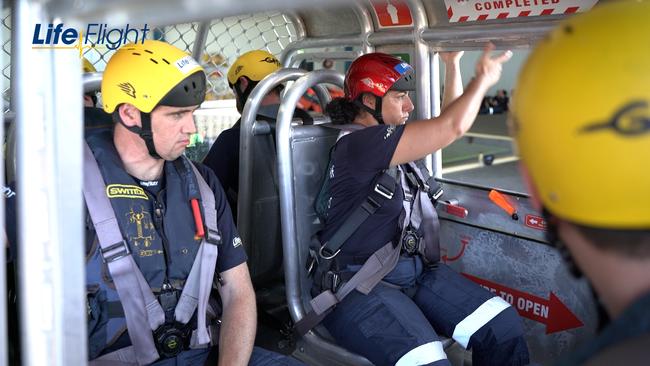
x,y
186,64
368,82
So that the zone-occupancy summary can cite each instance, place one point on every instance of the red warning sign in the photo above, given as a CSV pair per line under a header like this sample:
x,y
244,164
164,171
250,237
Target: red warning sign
x,y
477,10
551,312
535,222
392,13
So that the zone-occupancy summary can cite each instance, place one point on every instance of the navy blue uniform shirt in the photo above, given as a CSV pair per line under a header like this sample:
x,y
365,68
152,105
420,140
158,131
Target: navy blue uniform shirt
x,y
358,158
231,253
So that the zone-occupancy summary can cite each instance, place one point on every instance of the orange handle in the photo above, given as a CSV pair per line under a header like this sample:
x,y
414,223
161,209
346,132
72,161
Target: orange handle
x,y
501,201
198,221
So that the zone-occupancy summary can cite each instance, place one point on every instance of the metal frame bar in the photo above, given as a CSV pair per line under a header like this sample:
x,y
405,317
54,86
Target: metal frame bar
x,y
254,101
199,40
285,175
50,215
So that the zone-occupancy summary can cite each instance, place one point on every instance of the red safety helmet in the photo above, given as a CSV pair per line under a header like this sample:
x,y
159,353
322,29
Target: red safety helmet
x,y
377,73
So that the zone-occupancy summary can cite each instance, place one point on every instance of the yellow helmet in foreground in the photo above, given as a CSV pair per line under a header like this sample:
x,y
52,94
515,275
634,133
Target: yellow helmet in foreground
x,y
152,73
255,65
581,117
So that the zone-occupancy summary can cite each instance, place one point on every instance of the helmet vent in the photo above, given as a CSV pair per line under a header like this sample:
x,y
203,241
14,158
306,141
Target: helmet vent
x,y
167,62
186,88
193,85
149,52
136,54
154,61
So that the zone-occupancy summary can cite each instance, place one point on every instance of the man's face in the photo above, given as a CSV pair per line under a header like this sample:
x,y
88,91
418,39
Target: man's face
x,y
395,107
172,127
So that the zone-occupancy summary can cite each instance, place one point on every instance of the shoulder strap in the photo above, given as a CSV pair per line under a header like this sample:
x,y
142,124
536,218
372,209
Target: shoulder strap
x,y
383,191
198,285
142,311
433,188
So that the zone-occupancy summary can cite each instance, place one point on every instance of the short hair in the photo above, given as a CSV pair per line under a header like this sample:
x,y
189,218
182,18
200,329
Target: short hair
x,y
634,243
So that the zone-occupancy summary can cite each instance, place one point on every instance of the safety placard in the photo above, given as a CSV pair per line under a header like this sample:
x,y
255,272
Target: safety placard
x,y
392,13
535,222
477,10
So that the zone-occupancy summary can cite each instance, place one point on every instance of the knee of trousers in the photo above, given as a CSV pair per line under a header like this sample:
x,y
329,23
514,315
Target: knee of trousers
x,y
504,327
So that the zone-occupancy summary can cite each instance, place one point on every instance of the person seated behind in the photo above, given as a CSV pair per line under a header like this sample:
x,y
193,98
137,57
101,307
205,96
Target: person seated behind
x,y
399,321
244,74
581,144
152,89
95,120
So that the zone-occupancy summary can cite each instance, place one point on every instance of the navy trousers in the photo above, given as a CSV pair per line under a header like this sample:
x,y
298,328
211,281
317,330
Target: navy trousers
x,y
399,321
259,357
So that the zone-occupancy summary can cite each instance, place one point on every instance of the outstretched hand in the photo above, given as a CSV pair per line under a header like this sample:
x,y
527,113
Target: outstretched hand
x,y
488,68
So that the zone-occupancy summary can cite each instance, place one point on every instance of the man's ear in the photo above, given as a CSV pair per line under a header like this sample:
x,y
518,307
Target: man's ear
x,y
369,100
130,115
243,84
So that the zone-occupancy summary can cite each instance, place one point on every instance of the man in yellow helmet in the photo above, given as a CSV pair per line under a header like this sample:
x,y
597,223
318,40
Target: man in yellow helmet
x,y
159,231
581,118
244,74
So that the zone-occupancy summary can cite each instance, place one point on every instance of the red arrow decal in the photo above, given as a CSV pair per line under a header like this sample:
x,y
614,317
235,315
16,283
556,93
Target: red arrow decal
x,y
463,242
551,312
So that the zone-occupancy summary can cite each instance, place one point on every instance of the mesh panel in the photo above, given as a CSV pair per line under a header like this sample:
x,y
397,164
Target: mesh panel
x,y
230,37
227,38
6,57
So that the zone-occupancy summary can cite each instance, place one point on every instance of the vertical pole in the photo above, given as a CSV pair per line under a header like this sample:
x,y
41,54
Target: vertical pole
x,y
50,254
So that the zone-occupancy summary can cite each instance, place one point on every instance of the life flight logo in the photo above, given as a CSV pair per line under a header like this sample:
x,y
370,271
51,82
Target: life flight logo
x,y
125,191
96,35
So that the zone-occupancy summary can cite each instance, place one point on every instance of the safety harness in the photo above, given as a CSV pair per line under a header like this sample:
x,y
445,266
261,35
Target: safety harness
x,y
144,314
421,191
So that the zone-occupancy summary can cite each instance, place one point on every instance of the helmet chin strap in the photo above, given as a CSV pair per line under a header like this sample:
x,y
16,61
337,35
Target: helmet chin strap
x,y
374,112
145,133
241,98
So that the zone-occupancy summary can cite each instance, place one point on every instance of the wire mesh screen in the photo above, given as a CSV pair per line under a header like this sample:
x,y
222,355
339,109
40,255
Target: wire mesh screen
x,y
227,38
6,57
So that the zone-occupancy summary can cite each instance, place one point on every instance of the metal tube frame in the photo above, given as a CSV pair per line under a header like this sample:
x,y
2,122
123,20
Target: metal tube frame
x,y
247,131
285,175
50,214
199,40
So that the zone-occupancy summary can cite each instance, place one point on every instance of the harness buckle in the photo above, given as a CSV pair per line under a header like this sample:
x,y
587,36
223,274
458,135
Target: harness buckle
x,y
327,254
115,251
213,237
331,281
437,194
383,191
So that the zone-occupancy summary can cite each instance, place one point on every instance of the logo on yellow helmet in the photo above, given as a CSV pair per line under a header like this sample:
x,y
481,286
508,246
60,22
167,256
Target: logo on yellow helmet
x,y
631,120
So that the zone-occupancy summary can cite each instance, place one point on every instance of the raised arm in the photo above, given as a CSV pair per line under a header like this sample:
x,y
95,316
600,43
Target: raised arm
x,y
421,138
239,318
453,79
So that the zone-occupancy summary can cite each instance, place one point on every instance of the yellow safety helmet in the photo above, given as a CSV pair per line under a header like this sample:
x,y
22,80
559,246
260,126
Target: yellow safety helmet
x,y
152,73
255,65
87,66
581,117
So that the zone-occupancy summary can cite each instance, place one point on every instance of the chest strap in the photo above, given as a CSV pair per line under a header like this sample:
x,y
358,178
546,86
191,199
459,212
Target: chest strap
x,y
142,311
